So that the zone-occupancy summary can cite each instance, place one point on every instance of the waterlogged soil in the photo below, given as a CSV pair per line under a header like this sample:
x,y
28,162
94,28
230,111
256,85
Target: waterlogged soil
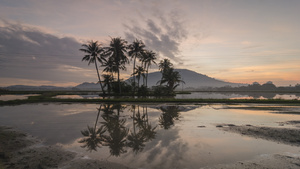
x,y
19,150
280,135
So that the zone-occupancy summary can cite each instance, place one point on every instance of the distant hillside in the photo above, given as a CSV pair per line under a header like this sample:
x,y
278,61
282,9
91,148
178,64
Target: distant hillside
x,y
193,80
35,88
88,86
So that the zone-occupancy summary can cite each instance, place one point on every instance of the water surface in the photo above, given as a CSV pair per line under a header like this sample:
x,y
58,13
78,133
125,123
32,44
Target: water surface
x,y
153,136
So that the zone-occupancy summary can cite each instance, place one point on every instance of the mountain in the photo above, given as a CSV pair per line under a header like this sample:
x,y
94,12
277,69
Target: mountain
x,y
193,80
88,86
36,88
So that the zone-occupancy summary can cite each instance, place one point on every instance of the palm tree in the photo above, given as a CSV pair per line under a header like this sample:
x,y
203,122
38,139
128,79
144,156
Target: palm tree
x,y
164,65
117,53
136,50
93,53
172,78
110,67
107,80
149,57
139,72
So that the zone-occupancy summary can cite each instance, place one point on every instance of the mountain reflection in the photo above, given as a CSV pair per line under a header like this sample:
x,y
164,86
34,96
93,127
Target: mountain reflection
x,y
115,131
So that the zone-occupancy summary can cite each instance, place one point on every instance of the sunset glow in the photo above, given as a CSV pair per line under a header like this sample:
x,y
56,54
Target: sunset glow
x,y
231,40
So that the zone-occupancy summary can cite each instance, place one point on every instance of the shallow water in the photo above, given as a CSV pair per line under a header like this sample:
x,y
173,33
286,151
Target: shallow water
x,y
14,97
155,136
206,95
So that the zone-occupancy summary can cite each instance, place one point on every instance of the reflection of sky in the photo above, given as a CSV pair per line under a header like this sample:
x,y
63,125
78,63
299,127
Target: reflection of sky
x,y
184,145
15,97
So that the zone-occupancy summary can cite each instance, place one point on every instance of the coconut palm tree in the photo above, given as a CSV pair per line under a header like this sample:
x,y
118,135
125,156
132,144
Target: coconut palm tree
x,y
110,67
164,65
117,53
139,72
136,50
107,80
94,53
148,58
172,79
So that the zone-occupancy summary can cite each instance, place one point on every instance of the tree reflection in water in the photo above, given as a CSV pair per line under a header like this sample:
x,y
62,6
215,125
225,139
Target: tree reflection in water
x,y
93,137
168,116
113,132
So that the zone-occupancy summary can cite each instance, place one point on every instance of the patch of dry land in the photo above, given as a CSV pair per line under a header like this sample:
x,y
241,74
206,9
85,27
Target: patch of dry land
x,y
20,151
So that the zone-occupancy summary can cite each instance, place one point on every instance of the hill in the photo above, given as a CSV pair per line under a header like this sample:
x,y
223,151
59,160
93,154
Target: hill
x,y
193,80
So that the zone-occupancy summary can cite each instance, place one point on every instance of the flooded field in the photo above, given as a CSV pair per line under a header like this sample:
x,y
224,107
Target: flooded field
x,y
15,97
155,135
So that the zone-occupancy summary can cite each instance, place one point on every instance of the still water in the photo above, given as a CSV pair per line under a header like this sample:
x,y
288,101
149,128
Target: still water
x,y
153,135
208,95
15,96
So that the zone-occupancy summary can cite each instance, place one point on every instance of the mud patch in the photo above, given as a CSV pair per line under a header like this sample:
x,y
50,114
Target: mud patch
x,y
19,150
281,135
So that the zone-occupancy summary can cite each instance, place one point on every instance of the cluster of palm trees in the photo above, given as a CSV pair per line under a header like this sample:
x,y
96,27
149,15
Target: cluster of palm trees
x,y
115,58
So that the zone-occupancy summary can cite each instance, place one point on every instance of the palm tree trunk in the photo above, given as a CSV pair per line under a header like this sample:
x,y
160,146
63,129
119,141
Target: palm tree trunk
x,y
147,76
119,82
133,75
99,78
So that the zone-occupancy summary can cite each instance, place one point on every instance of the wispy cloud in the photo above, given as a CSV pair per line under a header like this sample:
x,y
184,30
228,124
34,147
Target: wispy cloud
x,y
162,32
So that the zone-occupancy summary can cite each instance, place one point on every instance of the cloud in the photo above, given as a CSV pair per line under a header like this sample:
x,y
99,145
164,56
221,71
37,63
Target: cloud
x,y
161,32
30,53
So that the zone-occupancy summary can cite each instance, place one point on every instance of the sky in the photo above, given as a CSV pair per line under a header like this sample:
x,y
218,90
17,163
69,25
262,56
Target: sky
x,y
231,40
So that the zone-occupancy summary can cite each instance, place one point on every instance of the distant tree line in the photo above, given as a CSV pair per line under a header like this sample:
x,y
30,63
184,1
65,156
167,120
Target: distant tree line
x,y
255,86
115,58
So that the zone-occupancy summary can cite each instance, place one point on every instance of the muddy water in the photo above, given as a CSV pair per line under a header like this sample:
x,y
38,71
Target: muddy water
x,y
154,136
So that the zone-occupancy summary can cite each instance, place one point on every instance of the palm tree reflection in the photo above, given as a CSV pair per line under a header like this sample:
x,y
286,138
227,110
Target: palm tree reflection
x,y
168,116
142,130
114,131
93,137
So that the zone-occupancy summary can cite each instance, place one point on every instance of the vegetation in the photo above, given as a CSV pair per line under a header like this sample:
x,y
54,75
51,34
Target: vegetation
x,y
48,97
94,53
114,58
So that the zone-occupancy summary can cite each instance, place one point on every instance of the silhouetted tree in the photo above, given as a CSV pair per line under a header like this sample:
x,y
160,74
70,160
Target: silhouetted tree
x,y
93,54
107,80
117,53
135,50
172,79
139,72
148,58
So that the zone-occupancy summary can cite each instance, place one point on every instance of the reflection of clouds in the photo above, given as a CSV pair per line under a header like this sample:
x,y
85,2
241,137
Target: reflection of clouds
x,y
166,151
49,121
